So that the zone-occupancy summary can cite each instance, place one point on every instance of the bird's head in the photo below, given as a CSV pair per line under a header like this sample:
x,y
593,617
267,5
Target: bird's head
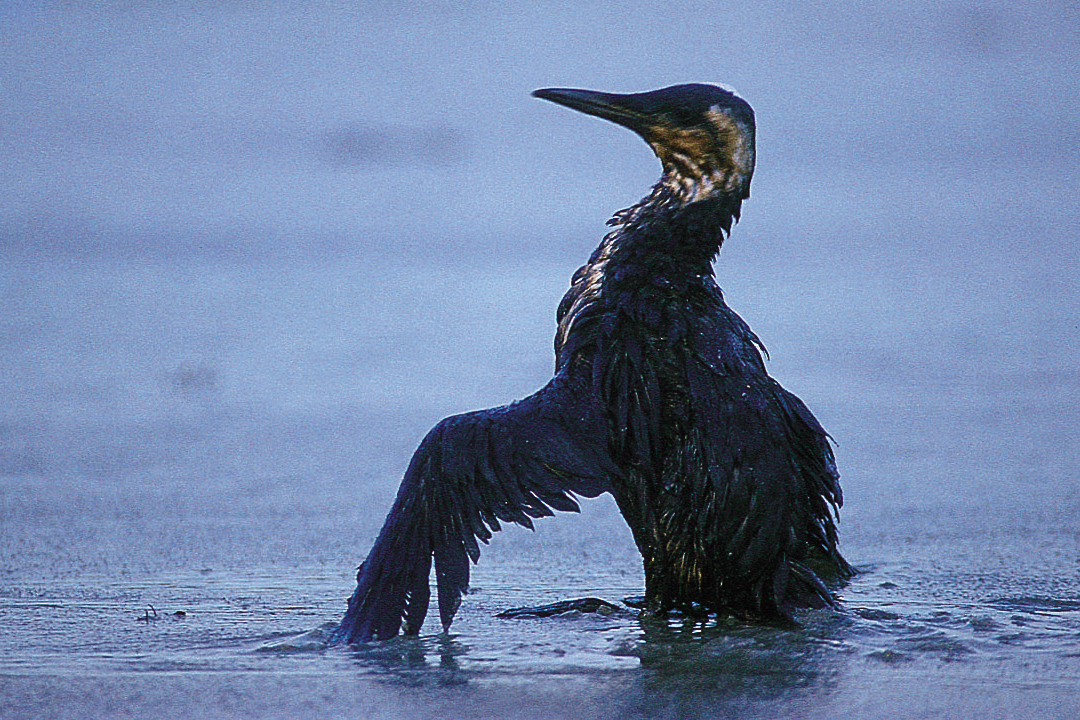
x,y
703,135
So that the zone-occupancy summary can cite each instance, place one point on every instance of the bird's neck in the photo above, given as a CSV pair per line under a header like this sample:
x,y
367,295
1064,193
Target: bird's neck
x,y
671,237
660,252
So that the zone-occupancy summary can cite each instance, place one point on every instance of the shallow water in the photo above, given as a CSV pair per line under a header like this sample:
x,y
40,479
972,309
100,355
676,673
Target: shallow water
x,y
231,310
166,483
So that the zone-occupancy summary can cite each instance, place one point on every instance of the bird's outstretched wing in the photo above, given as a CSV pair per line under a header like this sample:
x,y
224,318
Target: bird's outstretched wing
x,y
473,471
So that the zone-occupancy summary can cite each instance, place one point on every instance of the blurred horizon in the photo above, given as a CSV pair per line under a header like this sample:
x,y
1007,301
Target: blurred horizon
x,y
326,127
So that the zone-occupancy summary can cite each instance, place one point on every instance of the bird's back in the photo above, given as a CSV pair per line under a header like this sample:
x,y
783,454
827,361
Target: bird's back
x,y
727,480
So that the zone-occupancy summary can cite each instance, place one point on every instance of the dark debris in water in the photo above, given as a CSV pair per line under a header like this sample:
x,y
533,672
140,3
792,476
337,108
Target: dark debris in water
x,y
150,614
582,605
875,614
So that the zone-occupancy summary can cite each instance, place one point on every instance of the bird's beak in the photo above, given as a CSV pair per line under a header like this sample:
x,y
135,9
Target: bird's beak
x,y
616,108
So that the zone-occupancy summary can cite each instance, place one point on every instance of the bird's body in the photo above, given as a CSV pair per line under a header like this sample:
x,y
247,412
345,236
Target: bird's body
x,y
660,397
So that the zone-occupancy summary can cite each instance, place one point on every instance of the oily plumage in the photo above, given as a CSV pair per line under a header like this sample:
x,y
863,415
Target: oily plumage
x,y
660,397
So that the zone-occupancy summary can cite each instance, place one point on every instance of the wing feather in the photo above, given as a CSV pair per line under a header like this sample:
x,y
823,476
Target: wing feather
x,y
768,461
510,464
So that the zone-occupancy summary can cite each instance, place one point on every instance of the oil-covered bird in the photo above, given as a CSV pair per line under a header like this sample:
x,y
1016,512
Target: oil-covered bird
x,y
660,397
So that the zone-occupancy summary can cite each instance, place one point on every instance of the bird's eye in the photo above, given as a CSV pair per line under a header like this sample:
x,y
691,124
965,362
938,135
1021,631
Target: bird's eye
x,y
684,117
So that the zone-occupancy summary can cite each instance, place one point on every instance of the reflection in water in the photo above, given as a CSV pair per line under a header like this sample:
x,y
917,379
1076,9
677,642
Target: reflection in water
x,y
415,661
686,667
690,668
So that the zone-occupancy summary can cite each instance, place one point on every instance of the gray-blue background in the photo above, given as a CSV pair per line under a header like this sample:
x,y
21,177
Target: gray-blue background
x,y
250,254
